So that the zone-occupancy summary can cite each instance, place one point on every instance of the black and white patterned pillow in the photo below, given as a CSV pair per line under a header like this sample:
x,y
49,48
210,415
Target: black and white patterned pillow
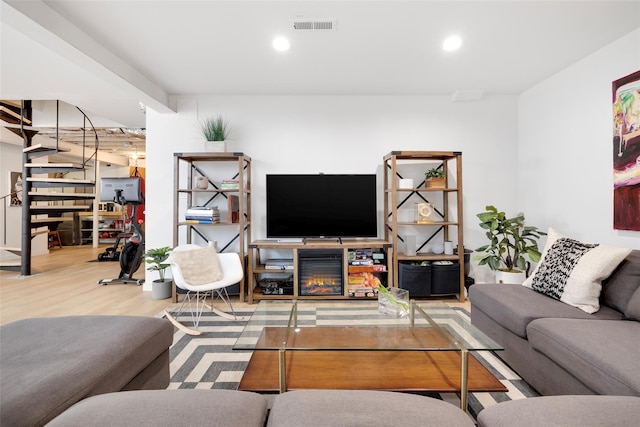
x,y
572,272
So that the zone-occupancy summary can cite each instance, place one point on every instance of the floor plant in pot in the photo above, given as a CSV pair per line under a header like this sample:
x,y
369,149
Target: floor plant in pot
x,y
216,131
156,258
510,243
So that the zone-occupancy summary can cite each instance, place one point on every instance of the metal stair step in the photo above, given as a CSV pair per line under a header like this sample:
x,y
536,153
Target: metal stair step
x,y
39,150
10,116
48,196
53,167
51,209
60,182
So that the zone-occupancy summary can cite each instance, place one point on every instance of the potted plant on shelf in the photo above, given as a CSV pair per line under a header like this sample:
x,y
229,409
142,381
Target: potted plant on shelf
x,y
510,241
216,131
161,288
434,178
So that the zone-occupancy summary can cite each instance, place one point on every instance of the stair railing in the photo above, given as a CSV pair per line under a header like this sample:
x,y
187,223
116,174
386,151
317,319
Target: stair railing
x,y
26,208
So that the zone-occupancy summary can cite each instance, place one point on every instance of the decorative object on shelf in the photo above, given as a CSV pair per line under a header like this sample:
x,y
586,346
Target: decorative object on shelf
x,y
216,132
509,242
434,178
202,215
202,183
437,248
424,213
393,301
410,245
160,288
405,183
448,247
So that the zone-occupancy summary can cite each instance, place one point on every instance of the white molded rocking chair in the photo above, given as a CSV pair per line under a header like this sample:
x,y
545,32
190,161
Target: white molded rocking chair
x,y
195,298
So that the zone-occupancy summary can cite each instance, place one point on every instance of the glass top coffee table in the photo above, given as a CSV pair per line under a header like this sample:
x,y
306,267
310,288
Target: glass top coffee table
x,y
350,345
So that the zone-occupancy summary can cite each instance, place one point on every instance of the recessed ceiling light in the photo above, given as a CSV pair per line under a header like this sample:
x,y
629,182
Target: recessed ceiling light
x,y
281,44
452,43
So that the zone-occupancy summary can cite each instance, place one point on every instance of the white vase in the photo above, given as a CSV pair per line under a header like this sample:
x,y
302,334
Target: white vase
x,y
510,278
215,146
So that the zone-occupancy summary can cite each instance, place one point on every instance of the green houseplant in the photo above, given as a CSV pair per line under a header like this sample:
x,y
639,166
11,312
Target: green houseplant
x,y
434,173
434,178
510,242
156,258
215,128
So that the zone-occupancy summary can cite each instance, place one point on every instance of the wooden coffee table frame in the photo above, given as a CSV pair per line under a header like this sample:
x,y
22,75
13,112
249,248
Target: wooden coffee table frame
x,y
430,359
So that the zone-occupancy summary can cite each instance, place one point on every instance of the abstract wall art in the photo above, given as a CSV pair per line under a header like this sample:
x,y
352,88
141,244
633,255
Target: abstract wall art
x,y
626,152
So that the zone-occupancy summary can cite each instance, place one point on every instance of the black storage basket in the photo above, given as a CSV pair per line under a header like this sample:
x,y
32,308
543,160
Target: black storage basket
x,y
445,278
416,279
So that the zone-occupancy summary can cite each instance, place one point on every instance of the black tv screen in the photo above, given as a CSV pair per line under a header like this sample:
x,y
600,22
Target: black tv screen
x,y
324,205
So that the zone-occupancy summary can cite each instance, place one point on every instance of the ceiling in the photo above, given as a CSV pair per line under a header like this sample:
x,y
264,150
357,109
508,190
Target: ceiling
x,y
107,56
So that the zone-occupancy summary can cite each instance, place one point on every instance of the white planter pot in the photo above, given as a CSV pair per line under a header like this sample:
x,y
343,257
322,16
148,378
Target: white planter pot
x,y
511,278
215,146
161,289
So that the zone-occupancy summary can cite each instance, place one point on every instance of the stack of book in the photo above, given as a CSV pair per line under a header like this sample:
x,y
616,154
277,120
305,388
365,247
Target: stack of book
x,y
202,215
229,184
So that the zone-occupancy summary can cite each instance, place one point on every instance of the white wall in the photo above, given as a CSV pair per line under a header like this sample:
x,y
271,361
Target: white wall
x,y
10,161
565,166
339,134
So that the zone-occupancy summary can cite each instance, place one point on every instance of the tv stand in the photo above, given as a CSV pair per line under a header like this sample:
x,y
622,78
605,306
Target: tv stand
x,y
306,240
260,250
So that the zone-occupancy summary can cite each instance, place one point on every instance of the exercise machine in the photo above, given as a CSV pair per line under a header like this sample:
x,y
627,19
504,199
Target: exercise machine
x,y
112,253
126,191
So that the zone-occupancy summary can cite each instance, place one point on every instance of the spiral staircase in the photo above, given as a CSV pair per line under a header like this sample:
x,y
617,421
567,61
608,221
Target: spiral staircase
x,y
49,189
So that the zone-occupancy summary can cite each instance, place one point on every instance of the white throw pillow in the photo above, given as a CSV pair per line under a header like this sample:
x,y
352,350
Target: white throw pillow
x,y
198,266
572,271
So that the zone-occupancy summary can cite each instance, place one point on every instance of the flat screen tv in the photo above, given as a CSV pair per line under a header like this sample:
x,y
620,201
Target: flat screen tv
x,y
323,205
127,188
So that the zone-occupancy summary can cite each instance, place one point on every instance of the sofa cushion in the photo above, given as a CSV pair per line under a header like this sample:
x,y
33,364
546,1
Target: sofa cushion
x,y
602,354
572,271
220,408
623,282
556,411
48,364
633,308
515,306
362,408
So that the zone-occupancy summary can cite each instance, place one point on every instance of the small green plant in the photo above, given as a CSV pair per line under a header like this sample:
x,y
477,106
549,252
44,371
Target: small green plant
x,y
156,258
215,128
509,241
434,173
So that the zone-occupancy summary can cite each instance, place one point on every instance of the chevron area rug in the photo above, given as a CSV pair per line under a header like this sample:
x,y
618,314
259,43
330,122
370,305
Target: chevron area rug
x,y
208,361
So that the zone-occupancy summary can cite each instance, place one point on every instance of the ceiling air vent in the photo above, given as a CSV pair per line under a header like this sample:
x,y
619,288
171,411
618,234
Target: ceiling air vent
x,y
314,24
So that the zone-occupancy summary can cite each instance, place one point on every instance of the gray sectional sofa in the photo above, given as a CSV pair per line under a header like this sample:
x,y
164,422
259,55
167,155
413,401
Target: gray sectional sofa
x,y
49,364
560,349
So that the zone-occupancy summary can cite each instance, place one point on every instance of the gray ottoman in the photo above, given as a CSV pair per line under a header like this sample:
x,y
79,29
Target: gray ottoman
x,y
48,364
557,411
220,408
355,408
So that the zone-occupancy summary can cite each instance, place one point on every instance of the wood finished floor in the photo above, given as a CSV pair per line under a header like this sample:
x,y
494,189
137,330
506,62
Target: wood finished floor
x,y
64,283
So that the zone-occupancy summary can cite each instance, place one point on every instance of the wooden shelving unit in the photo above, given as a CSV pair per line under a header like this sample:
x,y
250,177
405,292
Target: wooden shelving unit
x,y
448,220
230,234
106,219
256,268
